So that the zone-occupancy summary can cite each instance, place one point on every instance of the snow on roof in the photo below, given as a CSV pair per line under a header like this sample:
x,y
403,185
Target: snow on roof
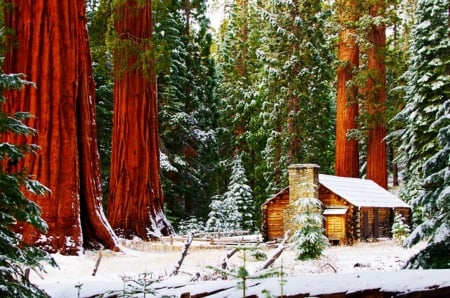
x,y
361,192
335,211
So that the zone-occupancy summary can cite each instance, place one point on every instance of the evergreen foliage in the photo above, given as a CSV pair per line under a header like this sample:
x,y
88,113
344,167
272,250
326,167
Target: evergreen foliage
x,y
224,216
309,240
191,225
99,13
400,230
187,116
238,71
234,211
296,87
275,74
425,136
15,184
240,193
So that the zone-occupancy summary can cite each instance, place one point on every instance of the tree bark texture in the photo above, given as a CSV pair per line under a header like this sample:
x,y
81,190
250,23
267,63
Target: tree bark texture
x,y
50,45
347,155
135,203
376,102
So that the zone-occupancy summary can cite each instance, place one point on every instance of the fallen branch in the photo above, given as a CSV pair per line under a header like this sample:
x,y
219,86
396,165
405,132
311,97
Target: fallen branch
x,y
183,254
277,252
224,264
97,263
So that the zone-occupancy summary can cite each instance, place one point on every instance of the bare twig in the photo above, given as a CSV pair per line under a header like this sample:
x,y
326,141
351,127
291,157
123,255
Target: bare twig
x,y
183,254
224,264
97,263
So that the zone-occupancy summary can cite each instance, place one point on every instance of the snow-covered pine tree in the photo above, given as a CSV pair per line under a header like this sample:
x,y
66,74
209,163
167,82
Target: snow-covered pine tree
x,y
425,137
400,230
295,87
224,216
309,240
240,193
15,206
191,225
435,200
238,71
216,217
187,105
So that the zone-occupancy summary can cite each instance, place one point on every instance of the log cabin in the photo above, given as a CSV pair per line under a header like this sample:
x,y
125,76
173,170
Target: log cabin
x,y
354,209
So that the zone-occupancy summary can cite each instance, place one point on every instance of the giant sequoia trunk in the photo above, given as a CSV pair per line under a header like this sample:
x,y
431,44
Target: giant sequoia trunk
x,y
135,203
50,46
347,155
376,101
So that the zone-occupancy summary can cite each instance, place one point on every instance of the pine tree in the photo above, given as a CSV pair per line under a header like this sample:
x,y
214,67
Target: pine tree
x,y
15,184
240,194
400,230
224,215
238,69
187,116
425,138
295,87
309,240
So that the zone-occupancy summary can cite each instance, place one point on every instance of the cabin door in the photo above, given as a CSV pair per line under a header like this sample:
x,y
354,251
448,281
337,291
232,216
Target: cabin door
x,y
335,228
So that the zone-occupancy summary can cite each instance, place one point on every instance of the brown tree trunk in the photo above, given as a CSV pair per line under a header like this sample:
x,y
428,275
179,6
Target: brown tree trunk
x,y
376,101
135,203
50,46
347,156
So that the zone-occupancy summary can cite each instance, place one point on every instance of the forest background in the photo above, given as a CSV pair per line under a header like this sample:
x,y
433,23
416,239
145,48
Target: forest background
x,y
235,106
240,102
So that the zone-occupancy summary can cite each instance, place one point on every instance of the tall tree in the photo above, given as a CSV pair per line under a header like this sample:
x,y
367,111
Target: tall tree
x,y
375,97
425,135
136,202
347,156
50,46
240,129
15,185
187,106
296,87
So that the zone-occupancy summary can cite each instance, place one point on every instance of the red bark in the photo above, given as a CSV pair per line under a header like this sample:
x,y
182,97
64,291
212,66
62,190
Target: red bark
x,y
50,46
347,156
135,203
376,102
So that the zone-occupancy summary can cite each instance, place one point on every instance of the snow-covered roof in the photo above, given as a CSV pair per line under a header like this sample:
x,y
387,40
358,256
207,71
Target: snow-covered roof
x,y
361,192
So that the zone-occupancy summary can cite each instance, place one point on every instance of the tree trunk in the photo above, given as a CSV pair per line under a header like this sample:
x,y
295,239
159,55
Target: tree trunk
x,y
347,156
376,101
135,203
51,47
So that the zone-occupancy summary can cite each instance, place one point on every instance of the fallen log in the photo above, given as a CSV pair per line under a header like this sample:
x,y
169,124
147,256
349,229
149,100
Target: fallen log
x,y
281,247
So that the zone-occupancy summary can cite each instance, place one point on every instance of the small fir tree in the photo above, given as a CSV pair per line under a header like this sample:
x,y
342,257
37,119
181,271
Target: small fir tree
x,y
224,215
309,240
15,182
191,225
400,230
240,193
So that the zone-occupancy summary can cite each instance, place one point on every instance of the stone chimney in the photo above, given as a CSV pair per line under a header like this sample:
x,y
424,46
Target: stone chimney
x,y
301,179
303,183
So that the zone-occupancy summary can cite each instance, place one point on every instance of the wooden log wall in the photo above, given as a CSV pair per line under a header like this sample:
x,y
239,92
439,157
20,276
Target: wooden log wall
x,y
272,217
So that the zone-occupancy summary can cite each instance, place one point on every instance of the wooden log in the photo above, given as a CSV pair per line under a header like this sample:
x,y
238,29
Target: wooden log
x,y
277,252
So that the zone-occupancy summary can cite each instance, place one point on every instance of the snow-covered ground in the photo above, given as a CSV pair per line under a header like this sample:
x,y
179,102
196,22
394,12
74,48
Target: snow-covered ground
x,y
351,267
